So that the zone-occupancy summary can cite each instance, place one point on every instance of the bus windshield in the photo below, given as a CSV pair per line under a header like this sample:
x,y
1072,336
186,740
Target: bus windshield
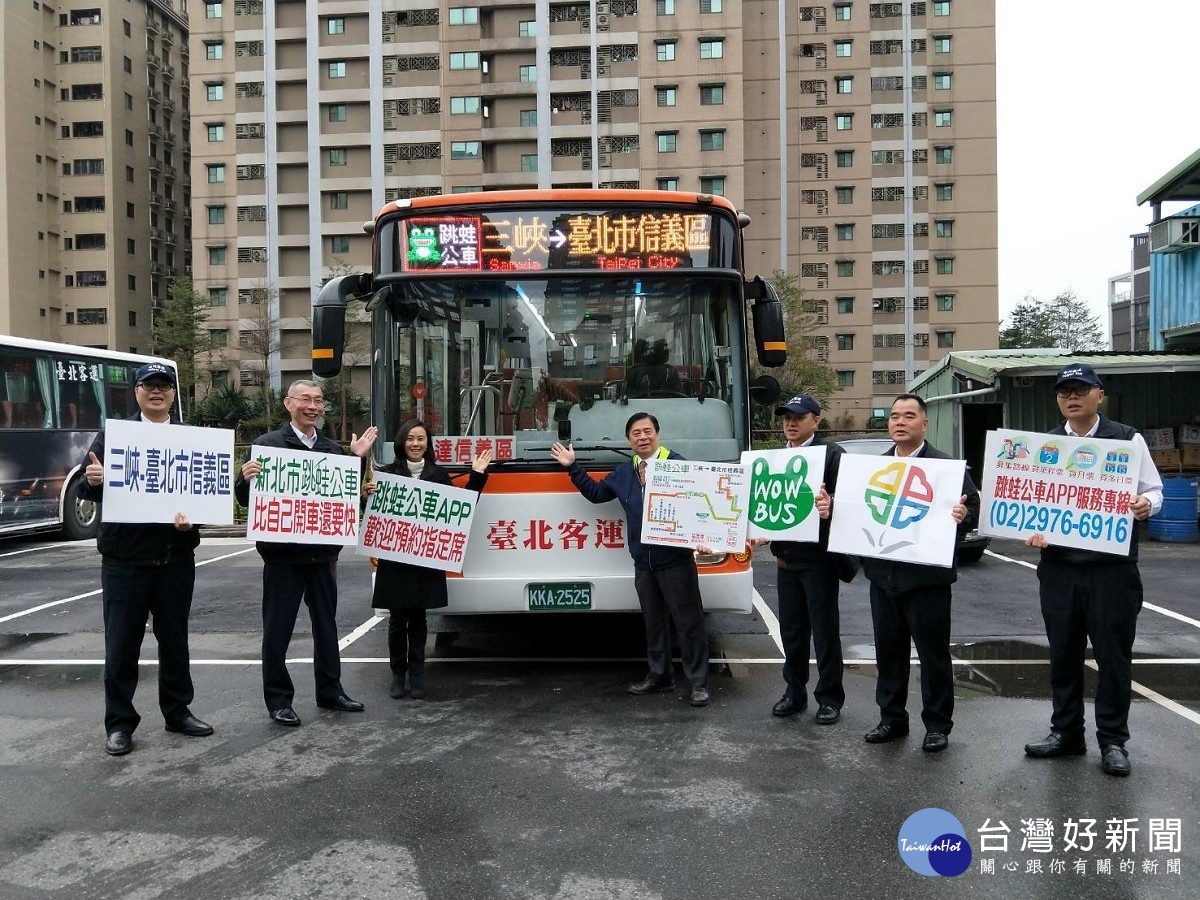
x,y
541,359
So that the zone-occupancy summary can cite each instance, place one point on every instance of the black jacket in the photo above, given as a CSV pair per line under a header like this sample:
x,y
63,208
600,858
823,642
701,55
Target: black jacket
x,y
899,577
796,555
149,544
286,438
401,586
1076,556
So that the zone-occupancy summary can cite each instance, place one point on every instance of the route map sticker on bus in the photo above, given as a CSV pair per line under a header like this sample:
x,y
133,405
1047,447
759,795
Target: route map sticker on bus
x,y
412,521
696,504
1075,491
784,485
304,498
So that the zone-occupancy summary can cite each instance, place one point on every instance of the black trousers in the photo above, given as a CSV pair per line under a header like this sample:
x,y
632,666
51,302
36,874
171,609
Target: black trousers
x,y
673,595
1101,604
284,585
133,594
808,610
407,631
921,615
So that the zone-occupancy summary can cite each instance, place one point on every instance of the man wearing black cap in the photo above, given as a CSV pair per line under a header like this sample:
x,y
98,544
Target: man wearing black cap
x,y
147,570
1092,596
807,577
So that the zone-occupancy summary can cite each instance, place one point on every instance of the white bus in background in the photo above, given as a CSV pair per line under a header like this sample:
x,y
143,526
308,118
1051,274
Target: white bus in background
x,y
54,398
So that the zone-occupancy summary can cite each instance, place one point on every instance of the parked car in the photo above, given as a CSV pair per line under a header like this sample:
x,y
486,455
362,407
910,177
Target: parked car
x,y
970,546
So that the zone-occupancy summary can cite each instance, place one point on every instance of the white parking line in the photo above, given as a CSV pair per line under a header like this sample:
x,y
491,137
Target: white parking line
x,y
57,545
769,620
358,632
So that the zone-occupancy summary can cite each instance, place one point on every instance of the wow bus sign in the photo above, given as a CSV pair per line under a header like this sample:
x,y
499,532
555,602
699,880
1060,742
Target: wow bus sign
x,y
417,522
783,493
304,498
1075,491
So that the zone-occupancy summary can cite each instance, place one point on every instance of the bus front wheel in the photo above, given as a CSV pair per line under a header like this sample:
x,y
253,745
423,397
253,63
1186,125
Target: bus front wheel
x,y
81,518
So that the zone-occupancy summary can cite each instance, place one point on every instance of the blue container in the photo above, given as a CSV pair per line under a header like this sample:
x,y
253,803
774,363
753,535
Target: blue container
x,y
1176,521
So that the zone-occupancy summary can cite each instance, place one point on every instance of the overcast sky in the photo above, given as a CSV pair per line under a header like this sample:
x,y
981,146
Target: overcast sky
x,y
1096,101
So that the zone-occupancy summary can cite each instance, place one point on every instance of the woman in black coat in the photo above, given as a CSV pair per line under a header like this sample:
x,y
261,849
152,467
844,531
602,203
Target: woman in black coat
x,y
408,590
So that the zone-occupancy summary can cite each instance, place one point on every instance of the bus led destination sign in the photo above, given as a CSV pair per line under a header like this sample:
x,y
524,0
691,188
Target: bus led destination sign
x,y
527,240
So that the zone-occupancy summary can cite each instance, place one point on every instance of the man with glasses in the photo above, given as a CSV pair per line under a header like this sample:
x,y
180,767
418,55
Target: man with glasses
x,y
147,570
1093,596
292,572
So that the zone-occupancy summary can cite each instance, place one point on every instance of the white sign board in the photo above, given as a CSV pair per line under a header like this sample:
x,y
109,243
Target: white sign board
x,y
783,493
696,504
152,472
1075,491
417,522
897,508
304,498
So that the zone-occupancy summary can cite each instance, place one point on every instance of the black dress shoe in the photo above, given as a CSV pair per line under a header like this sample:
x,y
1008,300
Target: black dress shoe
x,y
787,706
285,716
191,726
398,689
342,703
827,715
1115,760
651,685
1057,744
935,742
118,743
699,696
883,732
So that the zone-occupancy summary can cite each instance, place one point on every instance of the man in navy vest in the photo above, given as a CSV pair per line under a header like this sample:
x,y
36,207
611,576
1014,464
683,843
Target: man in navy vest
x,y
1092,596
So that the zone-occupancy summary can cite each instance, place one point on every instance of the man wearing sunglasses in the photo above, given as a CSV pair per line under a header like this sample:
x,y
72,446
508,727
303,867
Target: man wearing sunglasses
x,y
1092,596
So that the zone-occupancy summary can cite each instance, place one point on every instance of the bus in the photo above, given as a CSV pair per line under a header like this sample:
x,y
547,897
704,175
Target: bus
x,y
54,398
511,320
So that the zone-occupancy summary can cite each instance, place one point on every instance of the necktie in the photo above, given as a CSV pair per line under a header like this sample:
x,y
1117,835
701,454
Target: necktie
x,y
641,470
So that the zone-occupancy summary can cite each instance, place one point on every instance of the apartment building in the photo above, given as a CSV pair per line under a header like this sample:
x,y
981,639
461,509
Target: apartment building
x,y
94,189
869,171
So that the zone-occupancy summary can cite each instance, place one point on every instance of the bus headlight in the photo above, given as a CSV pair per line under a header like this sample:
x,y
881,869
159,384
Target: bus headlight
x,y
711,559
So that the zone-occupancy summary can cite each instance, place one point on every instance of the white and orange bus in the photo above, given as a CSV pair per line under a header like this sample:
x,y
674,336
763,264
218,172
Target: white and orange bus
x,y
512,320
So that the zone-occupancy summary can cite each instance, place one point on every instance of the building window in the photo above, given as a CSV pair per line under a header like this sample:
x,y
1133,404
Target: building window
x,y
668,184
945,265
845,268
129,102
712,140
841,12
527,29
845,305
712,49
945,339
464,60
844,158
216,132
944,191
214,90
339,243
713,184
941,43
941,8
528,118
711,6
529,162
212,10
945,302
216,256
942,118
845,377
527,74
335,25
842,48
214,50
845,194
465,149
845,341
942,81
217,296
845,231
218,338
943,155
337,69
665,51
128,65
339,200
464,15
464,106
668,141
216,215
337,112
944,228
131,284
130,211
337,156
130,246
666,96
96,315
843,84
664,7
216,173
844,121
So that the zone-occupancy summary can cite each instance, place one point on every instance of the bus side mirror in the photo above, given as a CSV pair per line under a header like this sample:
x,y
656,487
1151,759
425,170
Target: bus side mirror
x,y
764,390
329,321
767,313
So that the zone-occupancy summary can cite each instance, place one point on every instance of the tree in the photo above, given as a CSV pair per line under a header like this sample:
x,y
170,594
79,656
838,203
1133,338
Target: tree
x,y
177,332
1064,322
258,334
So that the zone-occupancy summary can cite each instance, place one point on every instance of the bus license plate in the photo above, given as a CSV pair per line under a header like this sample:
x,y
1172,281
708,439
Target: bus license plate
x,y
559,595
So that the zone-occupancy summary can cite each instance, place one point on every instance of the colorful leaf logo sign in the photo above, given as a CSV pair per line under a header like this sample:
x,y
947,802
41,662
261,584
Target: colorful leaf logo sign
x,y
779,501
899,495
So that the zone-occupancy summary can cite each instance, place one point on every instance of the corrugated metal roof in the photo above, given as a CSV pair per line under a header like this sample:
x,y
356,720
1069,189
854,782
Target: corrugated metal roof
x,y
1181,183
985,365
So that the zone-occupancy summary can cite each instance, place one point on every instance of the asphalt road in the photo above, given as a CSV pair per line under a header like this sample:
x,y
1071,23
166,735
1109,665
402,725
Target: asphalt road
x,y
530,773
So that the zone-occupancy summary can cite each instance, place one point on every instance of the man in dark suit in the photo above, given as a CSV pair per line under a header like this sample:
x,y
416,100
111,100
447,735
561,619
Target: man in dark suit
x,y
912,601
807,578
1092,596
292,572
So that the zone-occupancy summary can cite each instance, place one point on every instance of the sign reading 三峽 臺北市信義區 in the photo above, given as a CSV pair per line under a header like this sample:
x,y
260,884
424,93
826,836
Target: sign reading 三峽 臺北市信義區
x,y
688,503
305,498
152,472
1074,491
783,493
897,508
417,522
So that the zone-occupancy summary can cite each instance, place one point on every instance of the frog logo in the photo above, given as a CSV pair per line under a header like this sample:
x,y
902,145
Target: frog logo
x,y
780,501
423,246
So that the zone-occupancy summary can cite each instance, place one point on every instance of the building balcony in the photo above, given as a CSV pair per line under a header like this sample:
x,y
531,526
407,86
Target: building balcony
x,y
153,63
